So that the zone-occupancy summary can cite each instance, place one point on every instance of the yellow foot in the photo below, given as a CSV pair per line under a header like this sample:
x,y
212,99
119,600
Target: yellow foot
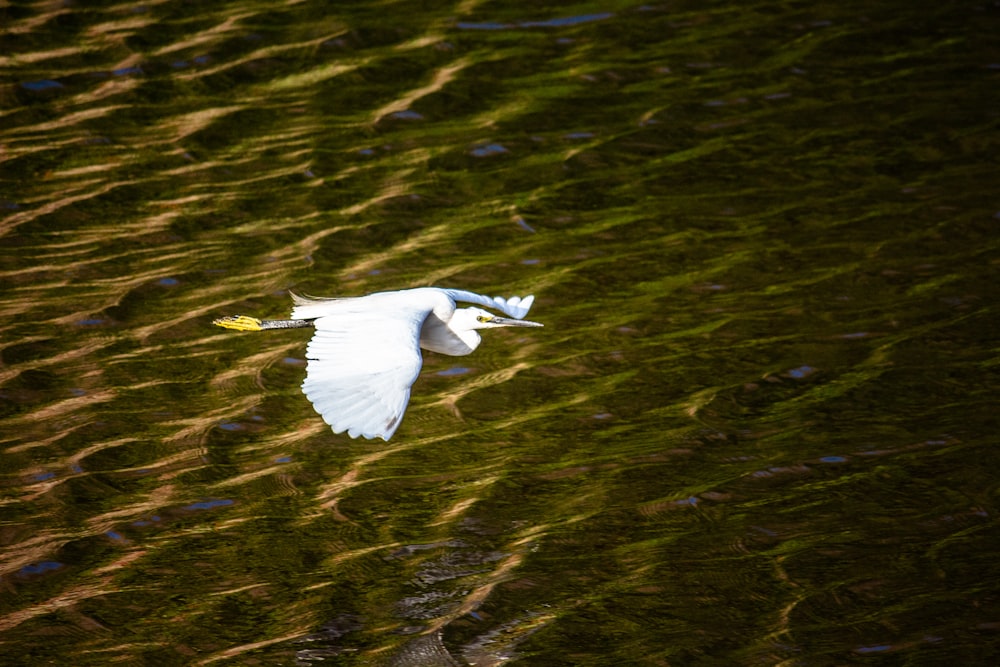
x,y
239,323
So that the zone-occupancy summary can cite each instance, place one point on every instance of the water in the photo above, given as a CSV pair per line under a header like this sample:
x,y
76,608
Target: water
x,y
758,428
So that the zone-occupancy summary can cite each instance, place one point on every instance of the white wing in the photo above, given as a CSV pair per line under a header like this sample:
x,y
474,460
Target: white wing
x,y
515,306
361,367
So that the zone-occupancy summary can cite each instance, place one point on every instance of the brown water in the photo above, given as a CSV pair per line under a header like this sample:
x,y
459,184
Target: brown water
x,y
760,424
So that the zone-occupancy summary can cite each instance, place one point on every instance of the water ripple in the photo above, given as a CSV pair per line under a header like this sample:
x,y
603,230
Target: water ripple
x,y
758,420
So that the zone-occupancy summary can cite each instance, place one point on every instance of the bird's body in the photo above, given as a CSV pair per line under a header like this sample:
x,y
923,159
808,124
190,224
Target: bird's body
x,y
365,354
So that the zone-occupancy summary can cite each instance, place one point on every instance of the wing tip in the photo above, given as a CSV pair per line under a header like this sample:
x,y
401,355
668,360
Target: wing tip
x,y
356,420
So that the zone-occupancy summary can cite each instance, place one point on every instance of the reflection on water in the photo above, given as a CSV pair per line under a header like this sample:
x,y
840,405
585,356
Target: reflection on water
x,y
758,425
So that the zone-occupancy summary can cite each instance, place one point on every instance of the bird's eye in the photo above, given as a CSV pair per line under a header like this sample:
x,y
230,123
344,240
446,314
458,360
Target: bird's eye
x,y
483,318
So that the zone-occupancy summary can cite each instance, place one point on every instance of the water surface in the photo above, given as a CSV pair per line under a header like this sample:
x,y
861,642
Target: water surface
x,y
758,428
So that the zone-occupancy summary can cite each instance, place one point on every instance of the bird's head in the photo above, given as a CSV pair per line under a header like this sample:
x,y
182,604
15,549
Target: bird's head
x,y
467,319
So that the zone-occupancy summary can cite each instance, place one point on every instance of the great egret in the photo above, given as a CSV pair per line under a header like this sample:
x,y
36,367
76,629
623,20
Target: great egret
x,y
365,354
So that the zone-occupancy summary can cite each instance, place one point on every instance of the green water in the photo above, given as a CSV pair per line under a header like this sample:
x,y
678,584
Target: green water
x,y
759,427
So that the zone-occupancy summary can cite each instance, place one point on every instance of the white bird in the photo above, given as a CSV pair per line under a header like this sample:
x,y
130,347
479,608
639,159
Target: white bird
x,y
365,354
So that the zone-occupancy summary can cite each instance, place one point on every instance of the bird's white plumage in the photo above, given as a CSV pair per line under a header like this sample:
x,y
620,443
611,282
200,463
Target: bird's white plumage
x,y
360,370
515,306
365,354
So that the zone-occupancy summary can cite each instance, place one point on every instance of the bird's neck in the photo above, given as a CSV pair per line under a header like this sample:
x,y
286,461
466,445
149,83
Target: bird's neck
x,y
436,336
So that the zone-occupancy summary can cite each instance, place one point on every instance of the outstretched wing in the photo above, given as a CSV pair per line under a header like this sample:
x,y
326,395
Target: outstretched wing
x,y
361,367
515,306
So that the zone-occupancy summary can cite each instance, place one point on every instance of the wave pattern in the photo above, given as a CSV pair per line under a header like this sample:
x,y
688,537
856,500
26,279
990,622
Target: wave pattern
x,y
757,428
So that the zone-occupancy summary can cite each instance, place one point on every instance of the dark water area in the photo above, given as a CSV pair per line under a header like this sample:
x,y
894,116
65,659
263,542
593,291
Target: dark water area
x,y
758,428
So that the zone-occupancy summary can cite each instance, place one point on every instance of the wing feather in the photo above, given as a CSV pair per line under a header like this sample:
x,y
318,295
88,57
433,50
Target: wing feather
x,y
361,365
515,306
